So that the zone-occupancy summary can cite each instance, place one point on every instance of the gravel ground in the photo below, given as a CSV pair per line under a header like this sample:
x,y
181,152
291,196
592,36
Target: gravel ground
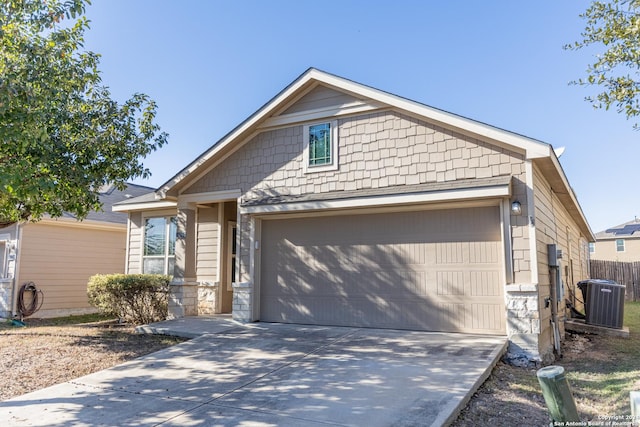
x,y
43,354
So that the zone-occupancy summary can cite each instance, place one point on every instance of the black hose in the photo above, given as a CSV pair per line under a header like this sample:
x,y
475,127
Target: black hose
x,y
37,298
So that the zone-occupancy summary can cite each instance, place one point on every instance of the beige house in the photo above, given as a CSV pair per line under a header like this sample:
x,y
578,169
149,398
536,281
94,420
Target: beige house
x,y
59,255
340,204
620,243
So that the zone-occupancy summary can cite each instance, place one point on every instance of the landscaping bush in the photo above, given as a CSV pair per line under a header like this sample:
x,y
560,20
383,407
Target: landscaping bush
x,y
133,298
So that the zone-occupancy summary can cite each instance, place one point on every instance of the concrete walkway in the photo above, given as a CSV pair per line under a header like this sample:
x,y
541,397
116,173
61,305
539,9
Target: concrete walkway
x,y
265,374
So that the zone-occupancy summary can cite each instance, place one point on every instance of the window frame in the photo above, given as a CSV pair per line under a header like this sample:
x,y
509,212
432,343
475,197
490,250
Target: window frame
x,y
5,242
333,134
618,245
167,254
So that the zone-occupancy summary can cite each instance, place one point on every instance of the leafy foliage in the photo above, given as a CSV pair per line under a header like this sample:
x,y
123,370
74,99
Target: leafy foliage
x,y
61,135
134,298
614,25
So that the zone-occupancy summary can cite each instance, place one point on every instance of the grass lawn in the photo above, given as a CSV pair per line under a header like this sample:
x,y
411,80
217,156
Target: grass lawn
x,y
601,379
601,372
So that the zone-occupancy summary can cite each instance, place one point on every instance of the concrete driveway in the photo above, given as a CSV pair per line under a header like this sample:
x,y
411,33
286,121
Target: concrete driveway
x,y
275,375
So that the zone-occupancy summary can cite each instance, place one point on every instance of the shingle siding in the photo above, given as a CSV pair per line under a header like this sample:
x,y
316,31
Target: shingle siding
x,y
375,150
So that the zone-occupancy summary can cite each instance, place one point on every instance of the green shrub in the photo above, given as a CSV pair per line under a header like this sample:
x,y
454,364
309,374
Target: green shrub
x,y
133,298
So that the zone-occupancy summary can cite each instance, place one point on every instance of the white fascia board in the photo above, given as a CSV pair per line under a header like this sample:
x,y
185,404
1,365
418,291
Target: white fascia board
x,y
161,204
210,197
378,201
321,113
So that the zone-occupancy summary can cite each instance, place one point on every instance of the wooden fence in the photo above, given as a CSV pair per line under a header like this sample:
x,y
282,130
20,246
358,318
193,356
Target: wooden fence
x,y
625,273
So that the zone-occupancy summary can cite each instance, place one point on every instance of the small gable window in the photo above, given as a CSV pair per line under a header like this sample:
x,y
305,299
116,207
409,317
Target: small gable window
x,y
620,245
320,146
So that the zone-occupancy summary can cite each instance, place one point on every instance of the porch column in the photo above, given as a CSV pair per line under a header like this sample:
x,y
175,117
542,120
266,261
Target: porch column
x,y
183,297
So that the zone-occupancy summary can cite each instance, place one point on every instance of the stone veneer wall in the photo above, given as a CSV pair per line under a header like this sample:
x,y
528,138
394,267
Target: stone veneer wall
x,y
207,299
183,300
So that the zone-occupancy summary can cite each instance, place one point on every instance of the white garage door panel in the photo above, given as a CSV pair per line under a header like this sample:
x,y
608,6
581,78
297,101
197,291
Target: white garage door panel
x,y
428,270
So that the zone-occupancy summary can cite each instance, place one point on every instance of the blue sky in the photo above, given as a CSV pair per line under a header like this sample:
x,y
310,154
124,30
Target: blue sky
x,y
210,64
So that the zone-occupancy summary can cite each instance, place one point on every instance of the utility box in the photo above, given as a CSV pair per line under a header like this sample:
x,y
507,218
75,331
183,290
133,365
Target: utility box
x,y
603,302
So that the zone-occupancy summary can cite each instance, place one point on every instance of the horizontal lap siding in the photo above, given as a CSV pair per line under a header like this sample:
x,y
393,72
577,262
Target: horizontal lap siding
x,y
207,245
555,225
60,260
135,243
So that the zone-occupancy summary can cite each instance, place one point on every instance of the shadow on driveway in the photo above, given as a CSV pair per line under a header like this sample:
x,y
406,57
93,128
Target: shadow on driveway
x,y
276,375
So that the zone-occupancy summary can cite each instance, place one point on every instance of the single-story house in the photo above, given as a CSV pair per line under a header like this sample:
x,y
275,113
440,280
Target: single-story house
x,y
60,254
619,243
340,204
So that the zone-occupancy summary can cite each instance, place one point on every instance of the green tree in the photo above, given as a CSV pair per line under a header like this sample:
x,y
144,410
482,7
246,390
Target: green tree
x,y
61,135
613,26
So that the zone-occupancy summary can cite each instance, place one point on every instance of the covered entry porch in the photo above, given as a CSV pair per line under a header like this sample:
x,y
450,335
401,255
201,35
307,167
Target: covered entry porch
x,y
205,258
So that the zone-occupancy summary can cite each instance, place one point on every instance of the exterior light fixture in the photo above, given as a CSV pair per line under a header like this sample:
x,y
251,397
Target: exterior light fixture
x,y
516,208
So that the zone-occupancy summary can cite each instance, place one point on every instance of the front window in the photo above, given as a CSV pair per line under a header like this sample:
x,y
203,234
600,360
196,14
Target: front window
x,y
619,245
159,245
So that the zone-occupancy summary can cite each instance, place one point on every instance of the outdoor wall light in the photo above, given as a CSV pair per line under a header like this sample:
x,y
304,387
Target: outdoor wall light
x,y
516,208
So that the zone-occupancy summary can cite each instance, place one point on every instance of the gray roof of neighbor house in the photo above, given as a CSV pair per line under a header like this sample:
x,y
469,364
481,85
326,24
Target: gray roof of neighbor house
x,y
109,196
628,230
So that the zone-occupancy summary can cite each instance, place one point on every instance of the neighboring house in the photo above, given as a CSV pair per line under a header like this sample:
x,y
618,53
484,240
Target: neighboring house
x,y
59,255
620,243
340,204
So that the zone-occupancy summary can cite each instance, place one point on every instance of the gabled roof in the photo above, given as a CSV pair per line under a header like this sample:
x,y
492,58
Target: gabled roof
x,y
377,99
367,99
628,230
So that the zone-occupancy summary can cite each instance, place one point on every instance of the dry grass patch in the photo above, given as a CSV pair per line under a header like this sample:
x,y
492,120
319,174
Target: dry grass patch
x,y
51,351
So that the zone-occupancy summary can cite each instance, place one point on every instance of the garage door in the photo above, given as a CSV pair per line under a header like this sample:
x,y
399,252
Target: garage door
x,y
435,270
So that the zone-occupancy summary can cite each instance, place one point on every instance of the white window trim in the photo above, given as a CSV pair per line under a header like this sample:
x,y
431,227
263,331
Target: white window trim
x,y
624,246
334,148
4,256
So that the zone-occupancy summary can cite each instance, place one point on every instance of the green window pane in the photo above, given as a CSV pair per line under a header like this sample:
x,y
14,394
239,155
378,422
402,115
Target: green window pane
x,y
320,144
